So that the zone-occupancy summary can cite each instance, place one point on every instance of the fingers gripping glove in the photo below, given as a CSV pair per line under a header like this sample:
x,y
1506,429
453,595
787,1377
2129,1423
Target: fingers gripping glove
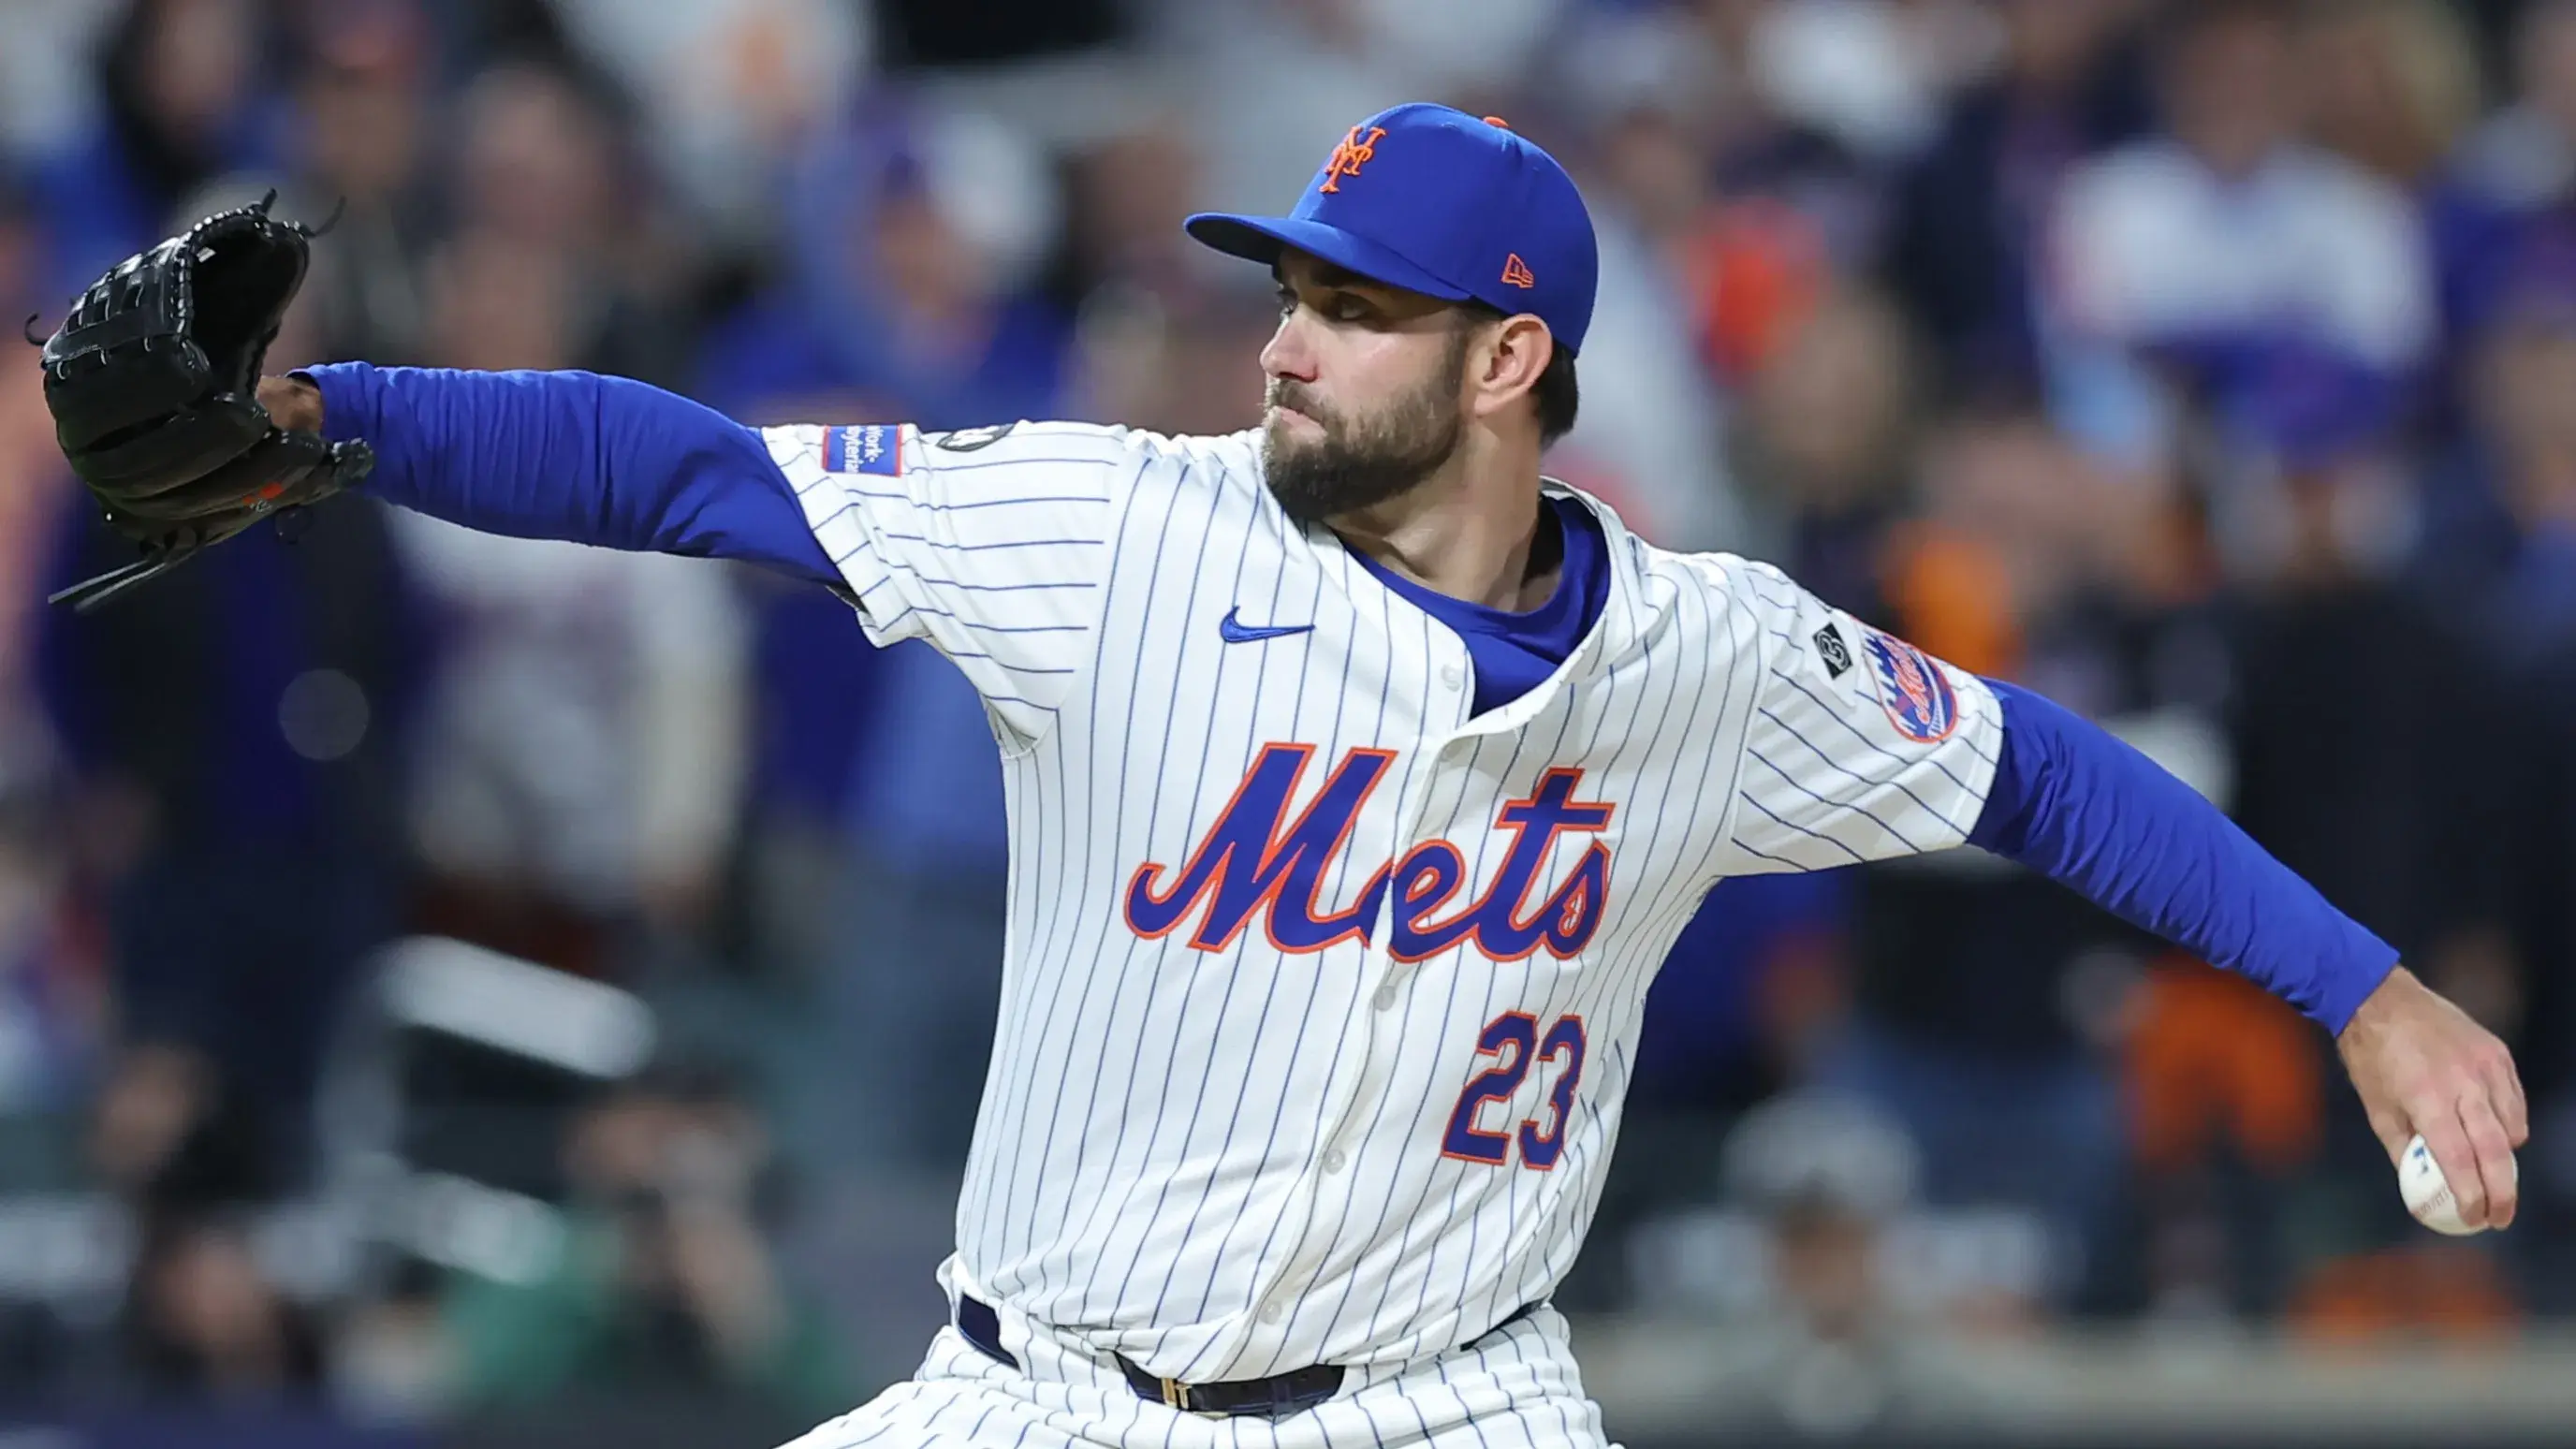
x,y
153,383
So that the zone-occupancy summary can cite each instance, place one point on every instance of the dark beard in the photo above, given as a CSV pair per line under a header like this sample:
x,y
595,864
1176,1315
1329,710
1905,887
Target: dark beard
x,y
1359,464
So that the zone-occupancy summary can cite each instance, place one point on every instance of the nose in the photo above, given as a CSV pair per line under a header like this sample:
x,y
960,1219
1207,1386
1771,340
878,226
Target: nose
x,y
1288,354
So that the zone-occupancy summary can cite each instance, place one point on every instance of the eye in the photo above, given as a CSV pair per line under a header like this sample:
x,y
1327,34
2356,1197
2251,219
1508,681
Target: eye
x,y
1347,308
1287,301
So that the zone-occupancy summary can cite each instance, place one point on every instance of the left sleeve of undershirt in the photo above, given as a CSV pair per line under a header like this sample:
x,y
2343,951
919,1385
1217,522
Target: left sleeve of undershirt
x,y
2093,814
573,456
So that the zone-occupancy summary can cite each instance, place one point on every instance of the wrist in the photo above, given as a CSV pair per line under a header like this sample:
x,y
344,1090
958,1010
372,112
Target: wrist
x,y
293,403
2375,1008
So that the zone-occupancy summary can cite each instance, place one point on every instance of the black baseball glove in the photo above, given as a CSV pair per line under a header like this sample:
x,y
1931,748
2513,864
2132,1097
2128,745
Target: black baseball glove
x,y
153,382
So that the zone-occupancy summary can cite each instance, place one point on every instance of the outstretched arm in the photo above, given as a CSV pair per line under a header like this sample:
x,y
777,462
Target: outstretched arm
x,y
1863,747
2093,814
2084,809
561,455
993,544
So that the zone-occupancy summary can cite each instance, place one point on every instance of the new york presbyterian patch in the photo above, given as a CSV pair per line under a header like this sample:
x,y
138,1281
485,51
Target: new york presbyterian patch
x,y
1917,695
876,448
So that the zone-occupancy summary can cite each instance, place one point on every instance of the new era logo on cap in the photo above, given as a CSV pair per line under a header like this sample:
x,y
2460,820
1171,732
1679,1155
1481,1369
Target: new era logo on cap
x,y
1440,202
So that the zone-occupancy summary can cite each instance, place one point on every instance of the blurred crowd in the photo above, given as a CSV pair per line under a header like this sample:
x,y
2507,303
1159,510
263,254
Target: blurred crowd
x,y
2209,365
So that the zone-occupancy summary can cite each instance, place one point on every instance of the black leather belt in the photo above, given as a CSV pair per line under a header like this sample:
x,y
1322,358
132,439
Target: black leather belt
x,y
1275,1397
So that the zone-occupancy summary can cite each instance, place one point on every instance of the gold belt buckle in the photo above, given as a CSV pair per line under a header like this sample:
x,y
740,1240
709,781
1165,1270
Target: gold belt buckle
x,y
1176,1395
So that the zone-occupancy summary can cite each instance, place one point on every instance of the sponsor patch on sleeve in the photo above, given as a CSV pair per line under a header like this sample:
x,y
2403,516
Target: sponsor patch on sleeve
x,y
874,448
1916,694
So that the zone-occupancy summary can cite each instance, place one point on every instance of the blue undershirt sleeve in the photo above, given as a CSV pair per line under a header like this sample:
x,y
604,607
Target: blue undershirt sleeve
x,y
2089,812
571,455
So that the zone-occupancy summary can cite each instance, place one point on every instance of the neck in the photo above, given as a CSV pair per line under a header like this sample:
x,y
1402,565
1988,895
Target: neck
x,y
1470,530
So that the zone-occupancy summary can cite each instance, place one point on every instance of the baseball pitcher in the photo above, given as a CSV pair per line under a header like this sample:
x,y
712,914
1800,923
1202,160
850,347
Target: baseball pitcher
x,y
1359,778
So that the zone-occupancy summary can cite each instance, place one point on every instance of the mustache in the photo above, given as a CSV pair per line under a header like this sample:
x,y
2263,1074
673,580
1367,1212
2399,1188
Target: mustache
x,y
1281,393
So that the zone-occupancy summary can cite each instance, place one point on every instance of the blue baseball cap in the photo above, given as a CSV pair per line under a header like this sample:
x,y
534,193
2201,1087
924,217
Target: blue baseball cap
x,y
1437,201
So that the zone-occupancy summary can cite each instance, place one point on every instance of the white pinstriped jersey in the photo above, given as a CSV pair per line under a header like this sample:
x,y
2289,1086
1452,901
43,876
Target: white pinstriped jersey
x,y
1321,995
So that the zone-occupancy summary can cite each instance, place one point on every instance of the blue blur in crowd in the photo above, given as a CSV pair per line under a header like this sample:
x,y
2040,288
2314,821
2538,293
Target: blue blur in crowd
x,y
831,327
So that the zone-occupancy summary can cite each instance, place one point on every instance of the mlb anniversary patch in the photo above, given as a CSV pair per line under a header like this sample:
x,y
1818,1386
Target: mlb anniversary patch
x,y
1914,691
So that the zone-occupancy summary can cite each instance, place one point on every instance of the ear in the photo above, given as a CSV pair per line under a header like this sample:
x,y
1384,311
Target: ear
x,y
1507,365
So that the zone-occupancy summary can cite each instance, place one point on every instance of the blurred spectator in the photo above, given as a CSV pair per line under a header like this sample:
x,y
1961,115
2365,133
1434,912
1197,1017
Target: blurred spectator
x,y
1746,210
665,1287
2321,617
2502,518
1273,85
1179,362
1983,996
1822,441
727,89
1836,1358
583,759
184,1159
544,164
2229,248
2500,217
1125,200
48,92
2226,1104
1786,126
179,105
1970,210
584,749
165,1135
927,883
1755,988
366,124
908,287
2502,578
233,738
205,1325
1868,73
912,294
2391,84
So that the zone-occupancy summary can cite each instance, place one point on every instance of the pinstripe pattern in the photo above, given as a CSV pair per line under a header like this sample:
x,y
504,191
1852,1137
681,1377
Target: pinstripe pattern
x,y
1225,1164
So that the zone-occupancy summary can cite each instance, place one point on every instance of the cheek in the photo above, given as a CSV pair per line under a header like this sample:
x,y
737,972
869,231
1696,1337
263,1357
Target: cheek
x,y
1370,374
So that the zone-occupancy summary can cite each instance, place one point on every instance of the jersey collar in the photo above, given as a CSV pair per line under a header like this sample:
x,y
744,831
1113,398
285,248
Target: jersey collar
x,y
1623,614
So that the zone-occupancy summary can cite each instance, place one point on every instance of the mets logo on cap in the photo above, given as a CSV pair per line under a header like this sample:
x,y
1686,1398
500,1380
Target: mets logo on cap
x,y
1350,154
1917,695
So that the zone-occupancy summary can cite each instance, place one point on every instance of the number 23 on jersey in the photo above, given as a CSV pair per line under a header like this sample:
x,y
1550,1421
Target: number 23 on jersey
x,y
1513,1041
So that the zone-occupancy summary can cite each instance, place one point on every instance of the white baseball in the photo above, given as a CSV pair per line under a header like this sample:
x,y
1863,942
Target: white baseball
x,y
2428,1193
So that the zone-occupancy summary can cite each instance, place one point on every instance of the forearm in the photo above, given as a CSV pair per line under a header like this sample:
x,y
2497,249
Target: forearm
x,y
2095,815
562,455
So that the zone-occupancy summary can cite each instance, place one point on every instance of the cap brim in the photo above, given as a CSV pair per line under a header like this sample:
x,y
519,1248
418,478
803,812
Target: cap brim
x,y
1262,238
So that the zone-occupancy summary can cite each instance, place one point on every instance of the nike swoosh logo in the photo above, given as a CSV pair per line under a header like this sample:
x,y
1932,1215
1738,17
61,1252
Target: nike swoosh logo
x,y
1236,632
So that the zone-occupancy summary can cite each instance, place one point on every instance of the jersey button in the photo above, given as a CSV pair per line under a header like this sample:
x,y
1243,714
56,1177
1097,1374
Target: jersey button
x,y
1270,1313
1385,998
1450,676
1333,1159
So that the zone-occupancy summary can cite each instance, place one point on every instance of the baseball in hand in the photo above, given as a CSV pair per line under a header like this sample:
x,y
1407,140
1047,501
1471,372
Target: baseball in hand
x,y
2428,1193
